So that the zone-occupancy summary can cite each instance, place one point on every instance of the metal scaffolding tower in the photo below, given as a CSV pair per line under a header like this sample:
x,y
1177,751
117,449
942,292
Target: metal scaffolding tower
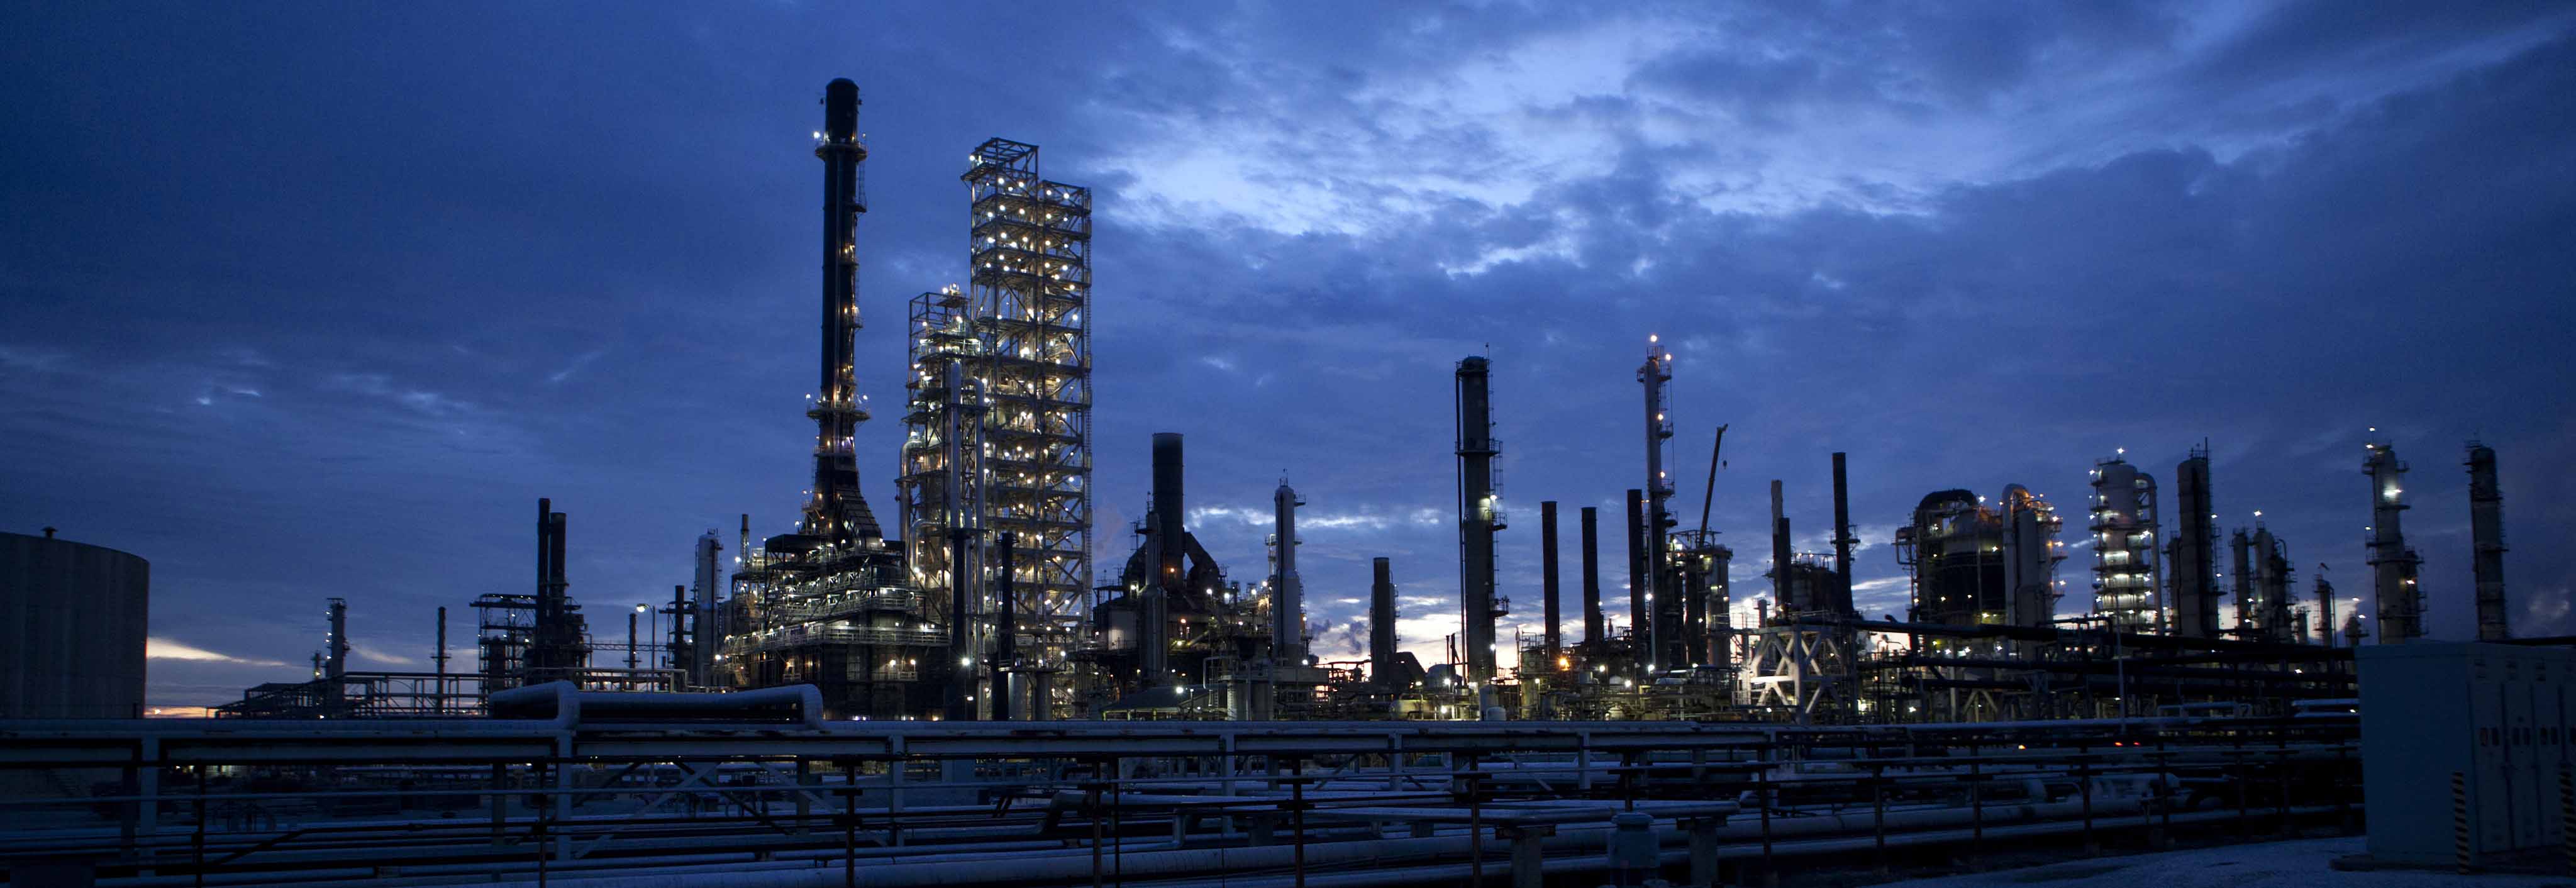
x,y
999,426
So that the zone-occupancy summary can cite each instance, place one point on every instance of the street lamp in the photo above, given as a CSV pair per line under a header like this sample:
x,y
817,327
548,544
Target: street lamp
x,y
655,621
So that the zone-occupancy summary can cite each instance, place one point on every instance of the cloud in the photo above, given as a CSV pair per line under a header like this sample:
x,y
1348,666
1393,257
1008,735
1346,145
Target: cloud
x,y
158,648
375,655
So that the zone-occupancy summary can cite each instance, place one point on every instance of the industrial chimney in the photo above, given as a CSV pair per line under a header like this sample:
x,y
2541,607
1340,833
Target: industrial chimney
x,y
2486,530
1593,630
1382,626
1547,577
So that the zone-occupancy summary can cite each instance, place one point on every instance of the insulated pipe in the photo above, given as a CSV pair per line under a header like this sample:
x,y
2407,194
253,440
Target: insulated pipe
x,y
562,705
1593,632
1547,576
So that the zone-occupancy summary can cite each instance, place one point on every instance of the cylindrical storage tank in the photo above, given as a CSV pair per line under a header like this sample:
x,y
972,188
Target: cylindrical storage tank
x,y
72,640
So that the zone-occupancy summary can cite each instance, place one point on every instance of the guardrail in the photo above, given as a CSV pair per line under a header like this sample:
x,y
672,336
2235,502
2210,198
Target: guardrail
x,y
1038,803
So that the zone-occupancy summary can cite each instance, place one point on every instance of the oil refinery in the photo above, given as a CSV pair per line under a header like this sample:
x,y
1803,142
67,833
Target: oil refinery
x,y
1171,718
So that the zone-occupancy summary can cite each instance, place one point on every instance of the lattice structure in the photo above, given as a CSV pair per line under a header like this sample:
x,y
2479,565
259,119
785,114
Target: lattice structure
x,y
1014,350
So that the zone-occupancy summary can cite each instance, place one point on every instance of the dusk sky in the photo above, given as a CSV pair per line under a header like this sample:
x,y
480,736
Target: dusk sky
x,y
312,300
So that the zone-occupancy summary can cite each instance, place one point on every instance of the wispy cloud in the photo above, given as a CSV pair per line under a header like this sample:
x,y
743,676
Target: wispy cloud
x,y
158,648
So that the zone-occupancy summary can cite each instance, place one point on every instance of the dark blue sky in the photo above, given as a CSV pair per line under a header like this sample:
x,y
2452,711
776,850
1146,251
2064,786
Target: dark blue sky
x,y
314,300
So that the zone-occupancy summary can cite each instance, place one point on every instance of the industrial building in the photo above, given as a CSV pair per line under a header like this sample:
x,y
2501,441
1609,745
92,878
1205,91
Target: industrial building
x,y
72,624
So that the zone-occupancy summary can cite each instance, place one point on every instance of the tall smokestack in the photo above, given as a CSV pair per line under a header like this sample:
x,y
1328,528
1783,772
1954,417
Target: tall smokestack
x,y
2486,529
438,700
1478,516
1783,587
837,513
1843,538
1593,630
1287,593
1381,625
2193,553
2392,565
1547,576
1637,616
1153,617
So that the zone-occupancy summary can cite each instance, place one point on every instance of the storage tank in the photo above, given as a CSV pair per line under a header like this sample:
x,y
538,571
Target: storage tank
x,y
71,645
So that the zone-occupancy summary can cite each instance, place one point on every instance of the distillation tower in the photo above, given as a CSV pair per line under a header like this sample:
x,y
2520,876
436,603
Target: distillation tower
x,y
998,431
1659,627
2263,579
2193,551
2125,568
1479,516
2486,530
2392,564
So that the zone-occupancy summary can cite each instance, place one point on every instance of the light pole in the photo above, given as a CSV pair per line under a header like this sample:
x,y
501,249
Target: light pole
x,y
656,623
